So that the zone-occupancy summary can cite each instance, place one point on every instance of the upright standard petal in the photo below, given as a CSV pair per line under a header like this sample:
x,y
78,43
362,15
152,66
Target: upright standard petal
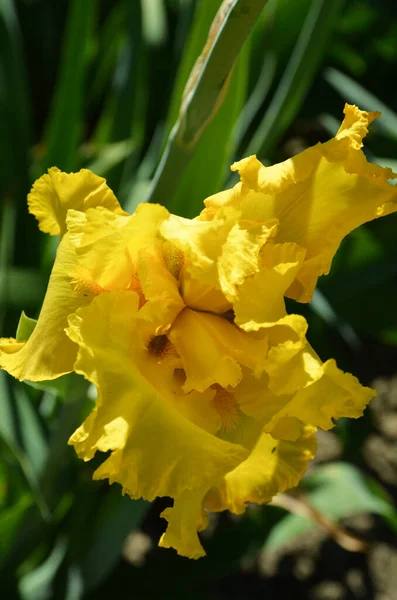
x,y
241,254
56,192
201,243
101,238
112,248
260,298
318,196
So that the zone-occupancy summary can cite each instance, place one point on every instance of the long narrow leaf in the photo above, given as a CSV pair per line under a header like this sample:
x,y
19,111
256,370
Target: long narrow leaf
x,y
205,91
298,76
19,426
117,517
214,151
123,119
64,128
15,134
354,92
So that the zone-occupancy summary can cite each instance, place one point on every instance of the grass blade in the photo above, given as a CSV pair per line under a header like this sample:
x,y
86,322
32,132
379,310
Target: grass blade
x,y
214,151
117,517
354,92
205,92
298,76
64,128
15,133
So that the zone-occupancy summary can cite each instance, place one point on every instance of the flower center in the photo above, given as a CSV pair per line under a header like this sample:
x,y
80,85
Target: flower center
x,y
159,346
229,315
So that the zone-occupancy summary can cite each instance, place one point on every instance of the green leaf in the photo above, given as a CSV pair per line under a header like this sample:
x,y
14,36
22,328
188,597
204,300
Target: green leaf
x,y
256,99
74,584
37,584
295,83
124,116
21,430
356,94
322,307
72,412
203,17
5,484
337,490
10,520
154,21
15,134
7,424
363,276
109,39
31,431
58,387
117,517
210,164
206,87
25,327
205,92
111,156
22,287
64,127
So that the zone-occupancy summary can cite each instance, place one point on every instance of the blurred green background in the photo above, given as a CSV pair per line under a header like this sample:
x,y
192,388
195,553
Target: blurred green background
x,y
98,84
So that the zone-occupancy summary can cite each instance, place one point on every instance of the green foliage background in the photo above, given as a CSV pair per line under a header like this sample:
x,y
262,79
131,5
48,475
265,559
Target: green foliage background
x,y
98,84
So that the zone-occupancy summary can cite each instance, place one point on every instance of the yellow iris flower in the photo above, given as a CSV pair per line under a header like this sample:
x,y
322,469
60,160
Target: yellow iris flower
x,y
208,391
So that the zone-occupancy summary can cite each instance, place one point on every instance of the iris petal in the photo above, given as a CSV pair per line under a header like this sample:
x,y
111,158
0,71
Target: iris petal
x,y
155,450
318,196
56,192
272,467
49,353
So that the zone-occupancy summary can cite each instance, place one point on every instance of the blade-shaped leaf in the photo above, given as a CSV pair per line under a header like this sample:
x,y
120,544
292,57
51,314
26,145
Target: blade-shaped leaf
x,y
10,519
117,516
37,584
64,127
205,92
15,134
298,76
25,327
354,92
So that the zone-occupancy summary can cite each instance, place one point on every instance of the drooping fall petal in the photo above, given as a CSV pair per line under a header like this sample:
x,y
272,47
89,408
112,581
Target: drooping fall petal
x,y
185,519
156,451
49,353
272,467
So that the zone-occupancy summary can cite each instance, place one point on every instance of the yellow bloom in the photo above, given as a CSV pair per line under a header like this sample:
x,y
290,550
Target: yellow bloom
x,y
49,353
208,391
